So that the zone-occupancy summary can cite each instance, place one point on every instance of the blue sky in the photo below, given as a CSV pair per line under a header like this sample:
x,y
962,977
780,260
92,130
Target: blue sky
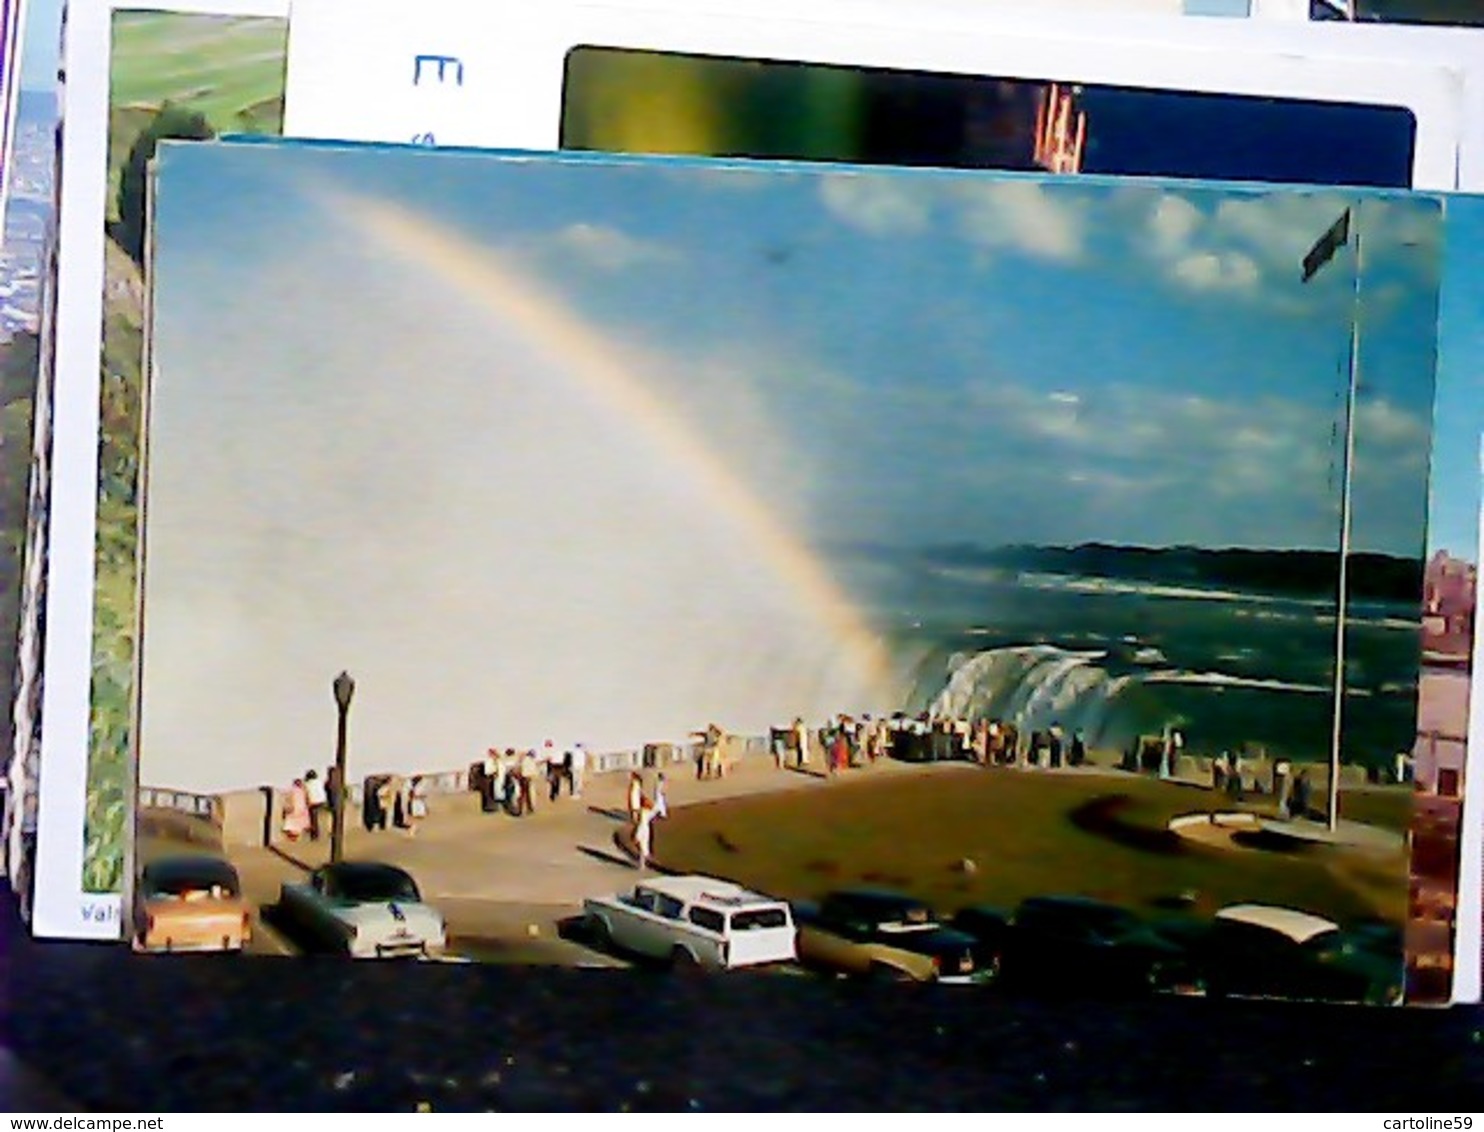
x,y
1020,362
1453,520
39,44
519,441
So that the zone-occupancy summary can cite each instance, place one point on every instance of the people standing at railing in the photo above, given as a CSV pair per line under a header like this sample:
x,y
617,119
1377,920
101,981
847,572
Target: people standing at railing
x,y
314,790
801,742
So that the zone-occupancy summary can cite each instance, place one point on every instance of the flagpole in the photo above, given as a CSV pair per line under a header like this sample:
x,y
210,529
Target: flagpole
x,y
1353,384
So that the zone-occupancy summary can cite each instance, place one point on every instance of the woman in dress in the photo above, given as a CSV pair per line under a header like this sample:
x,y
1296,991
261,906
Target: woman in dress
x,y
296,811
635,797
644,833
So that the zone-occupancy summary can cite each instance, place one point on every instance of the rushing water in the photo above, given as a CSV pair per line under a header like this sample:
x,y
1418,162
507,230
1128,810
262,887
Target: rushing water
x,y
1115,659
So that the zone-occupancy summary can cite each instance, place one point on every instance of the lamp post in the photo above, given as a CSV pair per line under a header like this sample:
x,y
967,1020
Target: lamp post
x,y
344,688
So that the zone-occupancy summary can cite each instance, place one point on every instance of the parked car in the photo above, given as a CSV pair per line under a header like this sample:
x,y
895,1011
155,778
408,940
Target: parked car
x,y
363,909
695,921
990,929
1071,943
1261,950
190,903
881,934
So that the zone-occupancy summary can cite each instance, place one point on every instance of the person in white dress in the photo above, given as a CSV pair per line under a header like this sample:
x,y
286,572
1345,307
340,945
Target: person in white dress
x,y
578,766
644,833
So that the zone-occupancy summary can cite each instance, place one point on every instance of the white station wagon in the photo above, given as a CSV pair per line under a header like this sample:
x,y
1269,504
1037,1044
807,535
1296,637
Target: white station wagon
x,y
695,921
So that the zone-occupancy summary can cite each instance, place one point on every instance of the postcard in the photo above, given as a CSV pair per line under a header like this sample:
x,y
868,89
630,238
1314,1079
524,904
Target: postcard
x,y
67,821
625,561
1442,923
947,84
1459,13
130,77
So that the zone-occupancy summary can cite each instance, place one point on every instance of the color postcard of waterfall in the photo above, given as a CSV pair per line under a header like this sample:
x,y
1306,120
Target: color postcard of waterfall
x,y
888,573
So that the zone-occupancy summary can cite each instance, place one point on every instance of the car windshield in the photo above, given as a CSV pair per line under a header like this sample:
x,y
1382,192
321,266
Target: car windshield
x,y
1104,921
184,883
1334,940
757,918
908,917
370,886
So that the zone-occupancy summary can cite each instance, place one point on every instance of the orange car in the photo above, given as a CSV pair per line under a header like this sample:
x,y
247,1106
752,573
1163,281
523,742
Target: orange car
x,y
190,904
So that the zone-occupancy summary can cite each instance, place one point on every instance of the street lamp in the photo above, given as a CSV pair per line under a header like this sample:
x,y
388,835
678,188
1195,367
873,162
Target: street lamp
x,y
344,688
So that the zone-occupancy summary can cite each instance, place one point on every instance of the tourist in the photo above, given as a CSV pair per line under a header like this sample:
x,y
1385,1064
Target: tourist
x,y
551,760
1078,755
1283,786
417,803
801,742
391,801
371,817
644,833
1219,766
491,781
839,749
296,811
1054,744
576,768
333,788
314,792
529,771
661,804
778,744
715,751
1301,794
635,797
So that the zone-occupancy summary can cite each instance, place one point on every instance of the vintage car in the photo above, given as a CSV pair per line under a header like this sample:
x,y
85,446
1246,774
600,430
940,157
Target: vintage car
x,y
694,922
990,930
190,903
1075,944
364,910
879,934
1265,951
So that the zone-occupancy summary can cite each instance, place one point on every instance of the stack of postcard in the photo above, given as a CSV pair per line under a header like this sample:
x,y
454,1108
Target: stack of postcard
x,y
1012,575
902,573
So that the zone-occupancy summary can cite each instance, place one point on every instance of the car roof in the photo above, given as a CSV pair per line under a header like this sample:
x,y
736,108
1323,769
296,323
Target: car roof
x,y
364,870
1077,903
1297,926
705,889
874,896
212,870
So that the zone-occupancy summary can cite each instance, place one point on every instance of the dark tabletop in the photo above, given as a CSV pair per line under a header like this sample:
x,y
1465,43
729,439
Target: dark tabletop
x,y
101,1029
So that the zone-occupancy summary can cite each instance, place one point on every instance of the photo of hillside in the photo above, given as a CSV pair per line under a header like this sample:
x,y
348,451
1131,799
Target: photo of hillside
x,y
177,76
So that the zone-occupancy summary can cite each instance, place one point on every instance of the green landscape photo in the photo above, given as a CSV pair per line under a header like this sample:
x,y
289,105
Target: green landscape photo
x,y
173,75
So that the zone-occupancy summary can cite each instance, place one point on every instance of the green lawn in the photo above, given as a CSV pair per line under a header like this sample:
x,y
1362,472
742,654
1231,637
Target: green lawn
x,y
1027,834
219,65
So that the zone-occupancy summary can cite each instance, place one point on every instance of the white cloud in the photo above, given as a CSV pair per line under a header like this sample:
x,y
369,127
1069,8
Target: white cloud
x,y
609,248
1050,223
878,205
1209,271
1173,221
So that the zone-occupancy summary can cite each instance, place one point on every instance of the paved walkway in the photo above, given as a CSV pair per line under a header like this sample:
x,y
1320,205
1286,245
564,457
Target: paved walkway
x,y
502,878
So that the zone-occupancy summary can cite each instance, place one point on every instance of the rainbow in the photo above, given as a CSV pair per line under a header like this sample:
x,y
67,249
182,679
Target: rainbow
x,y
583,354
